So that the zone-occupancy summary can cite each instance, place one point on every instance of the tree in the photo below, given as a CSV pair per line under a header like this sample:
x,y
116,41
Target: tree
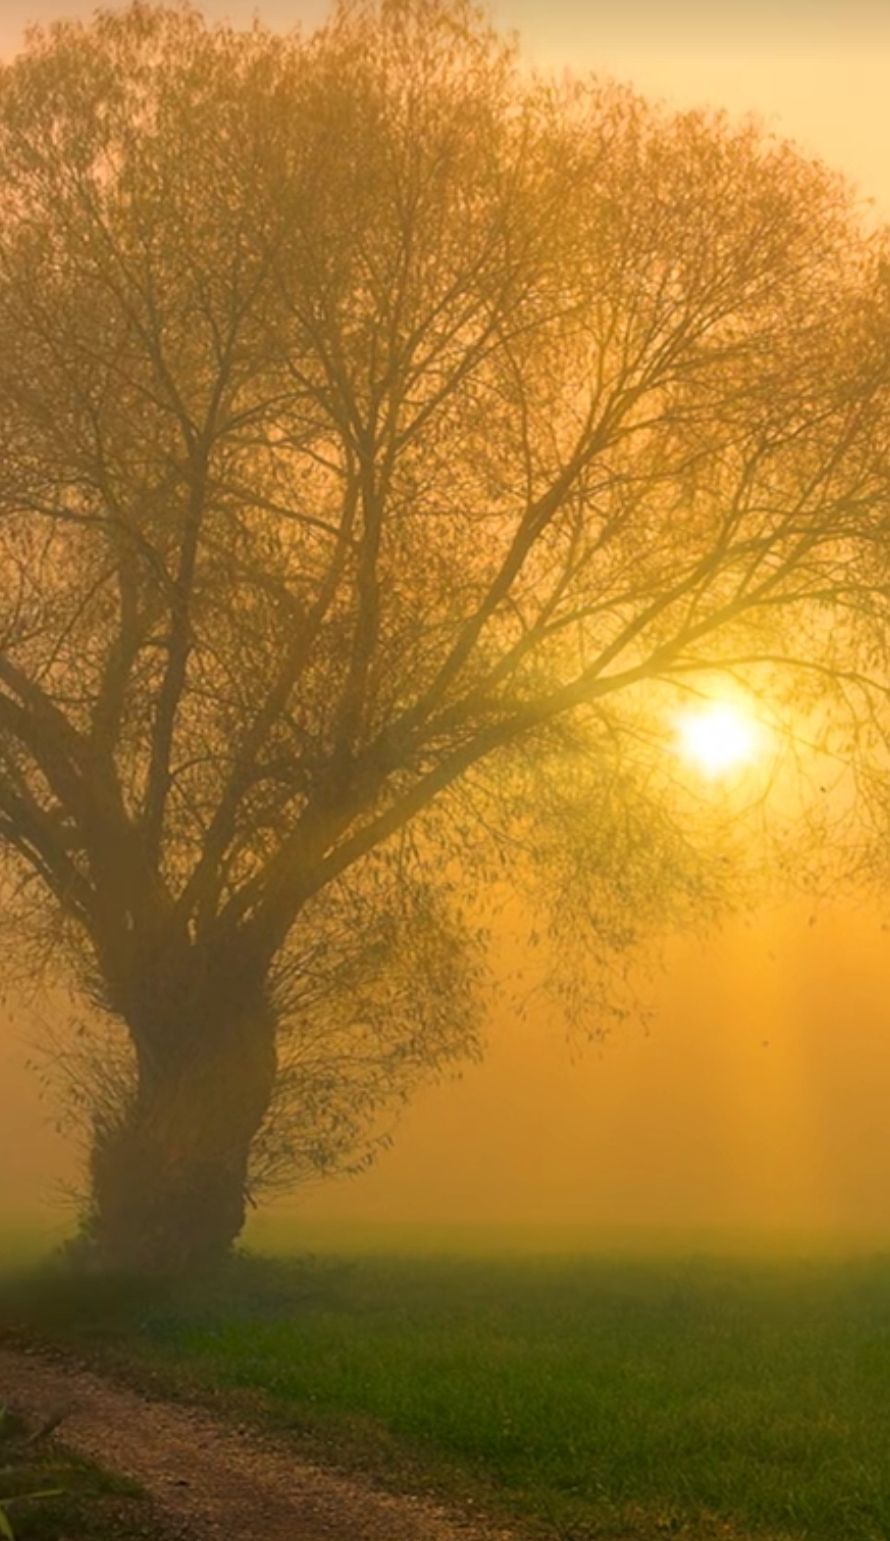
x,y
379,425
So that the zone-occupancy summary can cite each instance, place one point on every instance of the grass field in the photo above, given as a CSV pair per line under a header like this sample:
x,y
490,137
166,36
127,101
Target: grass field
x,y
46,1494
601,1397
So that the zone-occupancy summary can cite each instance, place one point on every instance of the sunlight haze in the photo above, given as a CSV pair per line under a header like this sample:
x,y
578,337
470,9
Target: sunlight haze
x,y
754,1096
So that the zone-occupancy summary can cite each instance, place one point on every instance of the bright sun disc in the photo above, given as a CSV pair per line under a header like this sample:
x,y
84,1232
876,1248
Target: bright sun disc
x,y
718,738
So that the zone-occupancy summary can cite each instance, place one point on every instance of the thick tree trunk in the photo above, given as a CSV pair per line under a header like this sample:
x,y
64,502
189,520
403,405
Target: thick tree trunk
x,y
169,1178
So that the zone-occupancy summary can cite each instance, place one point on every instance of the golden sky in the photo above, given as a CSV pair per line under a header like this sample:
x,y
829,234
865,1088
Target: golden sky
x,y
758,1097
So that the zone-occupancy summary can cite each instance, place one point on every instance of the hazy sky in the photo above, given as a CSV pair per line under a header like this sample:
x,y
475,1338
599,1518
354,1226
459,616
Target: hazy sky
x,y
759,1096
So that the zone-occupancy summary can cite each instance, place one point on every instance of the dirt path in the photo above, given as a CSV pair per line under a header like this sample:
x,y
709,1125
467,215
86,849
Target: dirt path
x,y
208,1480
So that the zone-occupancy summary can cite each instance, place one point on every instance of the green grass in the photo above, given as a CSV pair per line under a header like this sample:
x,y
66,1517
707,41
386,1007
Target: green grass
x,y
591,1394
47,1494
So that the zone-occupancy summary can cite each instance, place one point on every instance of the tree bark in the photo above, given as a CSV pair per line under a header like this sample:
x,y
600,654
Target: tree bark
x,y
170,1175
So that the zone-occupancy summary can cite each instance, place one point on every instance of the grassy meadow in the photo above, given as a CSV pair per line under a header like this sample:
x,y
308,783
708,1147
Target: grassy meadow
x,y
47,1494
597,1397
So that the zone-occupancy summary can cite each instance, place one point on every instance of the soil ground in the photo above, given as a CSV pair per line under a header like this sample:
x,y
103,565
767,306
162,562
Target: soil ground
x,y
208,1480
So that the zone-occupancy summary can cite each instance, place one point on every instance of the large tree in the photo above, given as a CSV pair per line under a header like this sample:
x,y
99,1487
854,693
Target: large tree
x,y
378,424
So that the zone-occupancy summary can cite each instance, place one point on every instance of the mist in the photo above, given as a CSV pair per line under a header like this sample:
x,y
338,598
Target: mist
x,y
444,771
745,1108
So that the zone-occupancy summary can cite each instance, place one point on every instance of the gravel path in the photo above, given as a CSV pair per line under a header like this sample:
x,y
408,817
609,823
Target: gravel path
x,y
209,1480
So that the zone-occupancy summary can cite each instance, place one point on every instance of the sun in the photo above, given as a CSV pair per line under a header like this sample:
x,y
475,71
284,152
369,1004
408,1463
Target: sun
x,y
719,737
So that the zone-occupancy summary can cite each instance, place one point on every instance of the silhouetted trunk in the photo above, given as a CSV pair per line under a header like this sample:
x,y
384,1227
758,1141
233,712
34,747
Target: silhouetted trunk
x,y
169,1179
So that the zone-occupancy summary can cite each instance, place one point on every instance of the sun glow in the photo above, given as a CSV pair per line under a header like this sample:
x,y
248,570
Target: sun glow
x,y
719,737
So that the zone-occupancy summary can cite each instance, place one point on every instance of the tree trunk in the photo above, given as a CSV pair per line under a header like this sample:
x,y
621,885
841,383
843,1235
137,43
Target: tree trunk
x,y
169,1177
